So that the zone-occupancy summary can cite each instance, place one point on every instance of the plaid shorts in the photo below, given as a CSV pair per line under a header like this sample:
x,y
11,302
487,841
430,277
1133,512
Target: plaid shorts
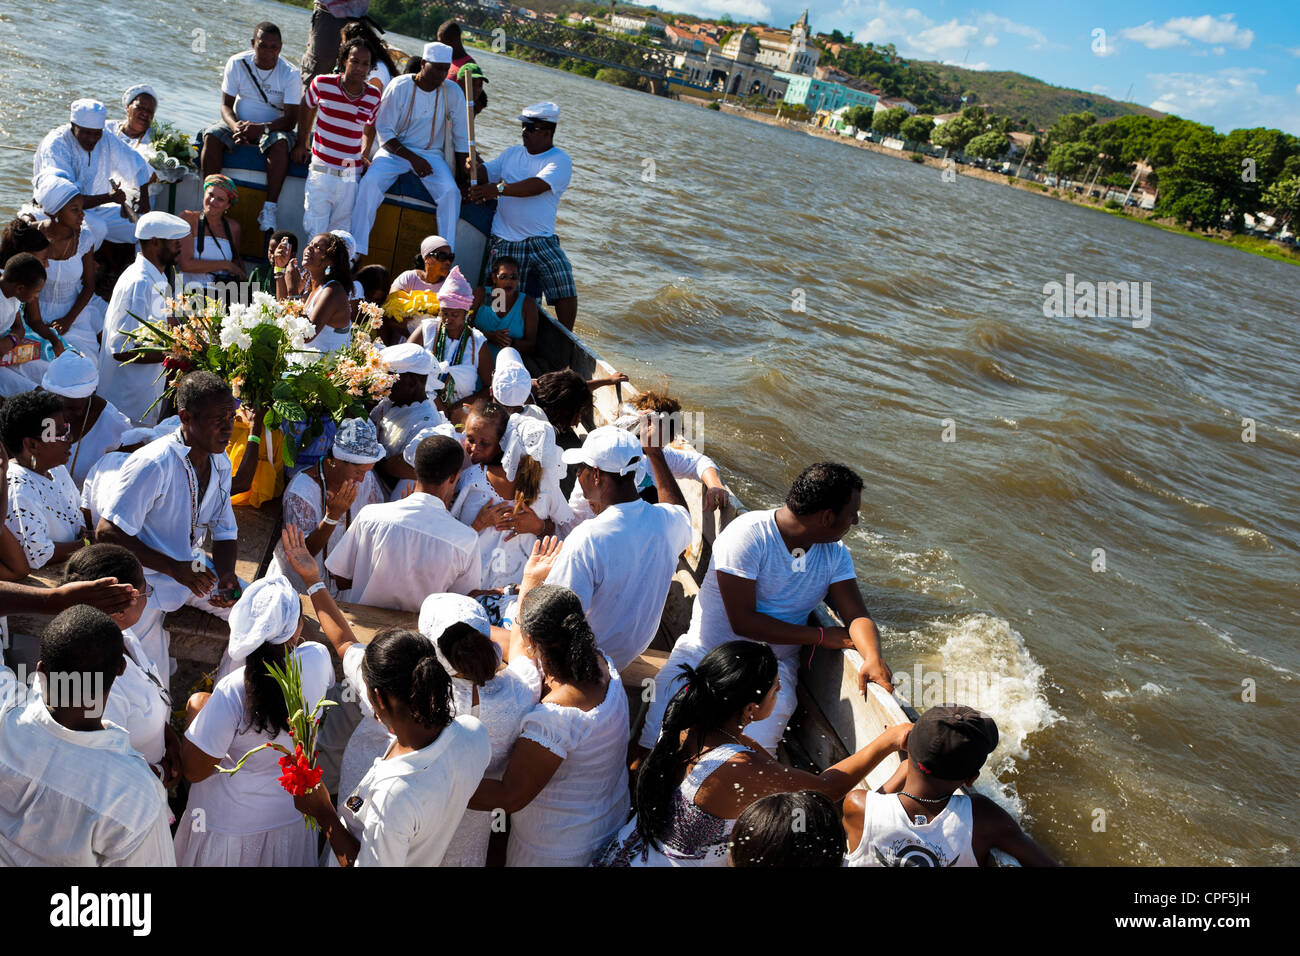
x,y
543,266
227,137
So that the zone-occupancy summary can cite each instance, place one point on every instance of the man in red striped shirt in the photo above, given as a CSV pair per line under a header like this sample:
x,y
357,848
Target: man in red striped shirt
x,y
342,107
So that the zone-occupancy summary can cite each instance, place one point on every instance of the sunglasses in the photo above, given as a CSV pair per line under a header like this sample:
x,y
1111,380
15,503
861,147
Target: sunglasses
x,y
442,255
533,127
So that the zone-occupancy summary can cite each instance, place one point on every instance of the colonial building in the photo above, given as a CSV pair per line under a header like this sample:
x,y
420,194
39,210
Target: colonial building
x,y
735,70
791,52
814,94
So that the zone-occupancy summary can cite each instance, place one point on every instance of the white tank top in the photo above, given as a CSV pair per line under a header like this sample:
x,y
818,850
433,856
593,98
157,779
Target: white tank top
x,y
890,838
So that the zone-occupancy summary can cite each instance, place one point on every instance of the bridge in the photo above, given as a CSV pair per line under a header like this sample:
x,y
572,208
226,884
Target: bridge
x,y
651,63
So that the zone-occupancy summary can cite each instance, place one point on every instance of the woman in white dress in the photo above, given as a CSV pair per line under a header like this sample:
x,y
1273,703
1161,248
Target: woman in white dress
x,y
407,806
322,501
95,426
703,771
509,493
141,103
247,818
138,701
565,785
500,696
465,362
68,304
325,264
45,512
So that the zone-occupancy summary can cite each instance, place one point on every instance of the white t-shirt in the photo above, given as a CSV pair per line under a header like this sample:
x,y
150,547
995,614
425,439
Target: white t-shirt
x,y
251,801
282,86
399,552
137,704
519,217
787,587
140,293
620,563
410,805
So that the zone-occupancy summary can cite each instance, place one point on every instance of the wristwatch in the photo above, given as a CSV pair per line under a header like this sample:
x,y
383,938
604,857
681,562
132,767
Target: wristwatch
x,y
501,188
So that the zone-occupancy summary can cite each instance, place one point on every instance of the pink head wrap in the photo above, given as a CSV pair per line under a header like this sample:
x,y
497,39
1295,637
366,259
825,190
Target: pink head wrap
x,y
455,292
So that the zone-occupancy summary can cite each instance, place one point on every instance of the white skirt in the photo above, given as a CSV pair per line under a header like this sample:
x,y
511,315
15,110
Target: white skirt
x,y
290,845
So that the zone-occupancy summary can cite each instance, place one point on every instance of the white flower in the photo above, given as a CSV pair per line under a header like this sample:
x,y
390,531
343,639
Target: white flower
x,y
244,340
265,299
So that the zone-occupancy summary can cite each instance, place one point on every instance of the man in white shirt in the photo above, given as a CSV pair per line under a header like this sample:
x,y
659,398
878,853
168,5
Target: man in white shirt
x,y
140,293
161,504
260,93
769,572
407,410
79,151
72,790
621,562
397,553
527,182
416,116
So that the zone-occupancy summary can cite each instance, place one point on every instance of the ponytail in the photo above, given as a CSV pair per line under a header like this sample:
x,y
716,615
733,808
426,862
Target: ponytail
x,y
731,676
401,665
554,621
528,480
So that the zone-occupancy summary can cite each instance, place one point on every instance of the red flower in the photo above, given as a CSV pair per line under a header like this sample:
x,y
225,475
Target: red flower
x,y
299,776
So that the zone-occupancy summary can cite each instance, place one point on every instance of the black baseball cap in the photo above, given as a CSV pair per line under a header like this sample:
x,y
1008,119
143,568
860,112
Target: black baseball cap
x,y
951,741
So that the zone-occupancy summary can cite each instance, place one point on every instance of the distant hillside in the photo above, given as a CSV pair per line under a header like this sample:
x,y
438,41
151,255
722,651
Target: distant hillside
x,y
1031,101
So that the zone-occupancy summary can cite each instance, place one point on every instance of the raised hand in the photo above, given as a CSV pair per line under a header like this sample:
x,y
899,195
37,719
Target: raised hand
x,y
545,553
299,558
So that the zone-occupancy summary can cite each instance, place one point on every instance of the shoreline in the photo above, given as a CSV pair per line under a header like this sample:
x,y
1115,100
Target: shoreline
x,y
1253,245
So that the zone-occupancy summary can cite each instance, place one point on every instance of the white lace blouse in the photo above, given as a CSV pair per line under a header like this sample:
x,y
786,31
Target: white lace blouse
x,y
304,507
43,511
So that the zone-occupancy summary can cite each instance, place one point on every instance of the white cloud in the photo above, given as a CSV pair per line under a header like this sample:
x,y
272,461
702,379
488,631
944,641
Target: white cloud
x,y
1101,89
1180,31
1294,51
1218,51
1226,99
916,34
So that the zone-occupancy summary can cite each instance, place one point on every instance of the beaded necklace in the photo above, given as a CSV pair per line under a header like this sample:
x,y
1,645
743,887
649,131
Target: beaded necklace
x,y
448,393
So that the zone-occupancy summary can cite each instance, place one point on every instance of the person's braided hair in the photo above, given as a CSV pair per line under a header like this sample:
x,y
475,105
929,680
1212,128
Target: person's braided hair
x,y
554,621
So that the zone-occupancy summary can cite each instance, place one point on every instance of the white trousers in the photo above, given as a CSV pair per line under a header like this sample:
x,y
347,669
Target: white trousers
x,y
669,681
328,203
383,172
107,222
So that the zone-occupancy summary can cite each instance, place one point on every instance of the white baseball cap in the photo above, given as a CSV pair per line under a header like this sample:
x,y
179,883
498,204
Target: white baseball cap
x,y
436,53
546,112
161,225
607,448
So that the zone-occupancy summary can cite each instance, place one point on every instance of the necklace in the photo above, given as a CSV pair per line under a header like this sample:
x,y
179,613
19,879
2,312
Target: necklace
x,y
924,799
440,352
193,480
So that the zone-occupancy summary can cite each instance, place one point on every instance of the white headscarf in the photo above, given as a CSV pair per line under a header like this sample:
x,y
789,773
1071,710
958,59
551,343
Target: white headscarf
x,y
511,383
443,428
71,375
266,613
135,92
441,611
53,192
526,435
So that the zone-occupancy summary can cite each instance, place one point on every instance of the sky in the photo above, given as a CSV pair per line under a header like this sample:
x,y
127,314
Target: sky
x,y
1228,68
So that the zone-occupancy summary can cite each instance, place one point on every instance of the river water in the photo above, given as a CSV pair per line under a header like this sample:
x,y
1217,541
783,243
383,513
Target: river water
x,y
1096,556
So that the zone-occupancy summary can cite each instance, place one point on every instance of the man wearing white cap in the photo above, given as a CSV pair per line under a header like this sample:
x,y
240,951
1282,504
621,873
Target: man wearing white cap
x,y
79,151
527,182
407,409
398,553
421,119
142,292
621,562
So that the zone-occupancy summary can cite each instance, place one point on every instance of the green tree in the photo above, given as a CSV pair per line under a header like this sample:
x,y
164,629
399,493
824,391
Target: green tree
x,y
859,116
616,77
1283,198
956,133
889,122
1069,159
990,145
1069,128
917,128
1203,186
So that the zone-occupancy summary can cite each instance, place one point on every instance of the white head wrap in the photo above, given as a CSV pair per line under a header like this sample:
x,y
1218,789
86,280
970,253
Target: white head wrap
x,y
356,442
53,192
348,241
511,382
71,375
441,611
444,428
89,114
409,357
526,435
161,225
266,613
135,92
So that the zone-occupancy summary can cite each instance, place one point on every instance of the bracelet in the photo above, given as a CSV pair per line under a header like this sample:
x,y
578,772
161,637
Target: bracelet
x,y
821,636
278,270
255,439
328,520
318,586
85,542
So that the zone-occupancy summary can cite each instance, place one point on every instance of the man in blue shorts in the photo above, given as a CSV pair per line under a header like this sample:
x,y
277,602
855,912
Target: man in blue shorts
x,y
527,182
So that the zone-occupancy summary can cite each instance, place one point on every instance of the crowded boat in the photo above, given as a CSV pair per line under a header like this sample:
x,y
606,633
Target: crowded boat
x,y
440,587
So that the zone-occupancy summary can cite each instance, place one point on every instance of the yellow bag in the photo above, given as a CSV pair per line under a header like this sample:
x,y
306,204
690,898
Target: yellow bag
x,y
268,481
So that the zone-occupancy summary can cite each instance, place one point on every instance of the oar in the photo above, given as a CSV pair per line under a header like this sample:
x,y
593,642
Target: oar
x,y
469,119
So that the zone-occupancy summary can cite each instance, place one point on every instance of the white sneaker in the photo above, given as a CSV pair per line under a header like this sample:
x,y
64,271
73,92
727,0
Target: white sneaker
x,y
266,218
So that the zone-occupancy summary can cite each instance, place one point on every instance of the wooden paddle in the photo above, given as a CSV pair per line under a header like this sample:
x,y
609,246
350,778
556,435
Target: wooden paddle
x,y
469,119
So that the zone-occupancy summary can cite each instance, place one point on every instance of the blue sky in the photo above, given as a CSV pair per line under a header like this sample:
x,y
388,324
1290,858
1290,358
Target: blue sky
x,y
1227,67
